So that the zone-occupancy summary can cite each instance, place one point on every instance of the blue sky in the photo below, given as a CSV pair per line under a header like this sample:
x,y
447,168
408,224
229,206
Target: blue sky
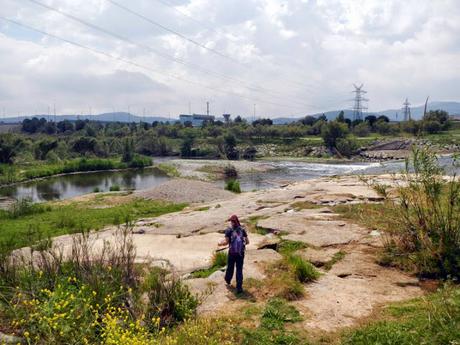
x,y
289,57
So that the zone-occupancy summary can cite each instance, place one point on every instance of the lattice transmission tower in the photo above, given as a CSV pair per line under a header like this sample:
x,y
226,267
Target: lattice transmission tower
x,y
406,109
359,104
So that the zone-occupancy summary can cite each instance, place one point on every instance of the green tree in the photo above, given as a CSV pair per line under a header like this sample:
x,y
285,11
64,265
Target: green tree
x,y
9,147
332,131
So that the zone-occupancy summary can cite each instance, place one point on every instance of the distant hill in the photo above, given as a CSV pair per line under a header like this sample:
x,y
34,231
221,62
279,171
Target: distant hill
x,y
105,117
453,108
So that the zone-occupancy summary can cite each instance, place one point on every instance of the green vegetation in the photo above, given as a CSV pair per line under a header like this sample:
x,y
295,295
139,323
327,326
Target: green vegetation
x,y
168,169
25,223
335,258
114,188
434,320
287,247
233,186
98,297
303,270
219,260
272,327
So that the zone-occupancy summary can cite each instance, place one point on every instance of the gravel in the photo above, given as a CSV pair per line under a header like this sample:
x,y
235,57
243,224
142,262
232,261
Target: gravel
x,y
183,190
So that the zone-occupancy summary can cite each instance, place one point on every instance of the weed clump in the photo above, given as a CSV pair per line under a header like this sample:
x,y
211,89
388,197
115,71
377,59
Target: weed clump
x,y
425,232
303,270
233,186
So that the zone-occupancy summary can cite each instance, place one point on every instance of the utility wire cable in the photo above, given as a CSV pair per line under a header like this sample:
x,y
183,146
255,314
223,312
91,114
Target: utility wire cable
x,y
155,51
133,63
186,38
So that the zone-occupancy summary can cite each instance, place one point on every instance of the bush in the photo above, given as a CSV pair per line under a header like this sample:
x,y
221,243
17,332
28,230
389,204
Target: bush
x,y
346,146
332,131
426,228
233,186
303,270
139,162
218,260
230,171
25,207
169,299
114,188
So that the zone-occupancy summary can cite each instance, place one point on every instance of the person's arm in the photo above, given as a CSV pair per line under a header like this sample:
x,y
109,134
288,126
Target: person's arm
x,y
224,242
246,238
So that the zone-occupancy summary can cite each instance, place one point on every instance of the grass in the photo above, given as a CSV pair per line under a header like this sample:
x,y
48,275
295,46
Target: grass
x,y
168,169
303,270
305,205
335,258
59,219
219,260
434,320
252,225
272,326
287,247
114,188
233,186
20,173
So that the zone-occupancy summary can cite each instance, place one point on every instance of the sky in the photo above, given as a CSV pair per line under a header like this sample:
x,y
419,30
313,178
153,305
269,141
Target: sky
x,y
269,57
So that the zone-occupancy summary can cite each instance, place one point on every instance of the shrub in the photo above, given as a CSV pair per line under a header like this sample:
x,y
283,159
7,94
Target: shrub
x,y
139,162
332,131
219,260
114,188
303,270
230,172
233,186
96,190
346,146
426,229
25,207
169,299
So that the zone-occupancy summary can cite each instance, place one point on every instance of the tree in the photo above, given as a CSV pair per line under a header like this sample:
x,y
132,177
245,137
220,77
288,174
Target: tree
x,y
44,147
362,129
65,126
371,119
332,131
308,120
263,122
383,118
432,126
84,144
186,146
439,116
230,147
341,117
128,150
346,146
238,119
9,147
79,125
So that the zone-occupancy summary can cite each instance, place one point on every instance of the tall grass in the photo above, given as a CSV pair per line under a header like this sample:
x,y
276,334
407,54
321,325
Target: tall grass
x,y
233,186
90,294
425,231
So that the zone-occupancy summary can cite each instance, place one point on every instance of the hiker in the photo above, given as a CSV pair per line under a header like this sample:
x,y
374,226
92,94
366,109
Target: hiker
x,y
236,238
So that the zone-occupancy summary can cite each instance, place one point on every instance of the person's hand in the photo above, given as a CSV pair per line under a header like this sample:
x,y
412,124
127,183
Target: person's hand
x,y
222,243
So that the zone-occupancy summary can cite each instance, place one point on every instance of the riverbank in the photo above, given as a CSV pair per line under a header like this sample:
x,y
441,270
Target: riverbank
x,y
303,218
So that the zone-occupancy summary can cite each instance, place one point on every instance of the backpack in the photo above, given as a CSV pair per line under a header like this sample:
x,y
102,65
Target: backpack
x,y
236,242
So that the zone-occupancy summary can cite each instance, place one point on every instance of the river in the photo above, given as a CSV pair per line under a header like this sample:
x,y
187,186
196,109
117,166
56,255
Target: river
x,y
69,186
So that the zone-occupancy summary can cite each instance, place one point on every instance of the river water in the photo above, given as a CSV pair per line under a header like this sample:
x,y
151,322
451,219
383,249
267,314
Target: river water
x,y
69,186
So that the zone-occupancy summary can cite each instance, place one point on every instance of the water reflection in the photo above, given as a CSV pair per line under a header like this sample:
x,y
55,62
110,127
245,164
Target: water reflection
x,y
68,186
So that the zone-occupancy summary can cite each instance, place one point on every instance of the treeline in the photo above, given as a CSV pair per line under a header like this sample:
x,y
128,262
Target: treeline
x,y
43,140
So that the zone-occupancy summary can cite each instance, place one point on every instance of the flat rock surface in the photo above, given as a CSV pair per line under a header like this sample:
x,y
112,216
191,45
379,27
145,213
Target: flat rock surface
x,y
213,291
318,257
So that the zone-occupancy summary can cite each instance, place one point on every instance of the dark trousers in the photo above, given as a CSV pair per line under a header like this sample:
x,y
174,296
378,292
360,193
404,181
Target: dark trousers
x,y
235,260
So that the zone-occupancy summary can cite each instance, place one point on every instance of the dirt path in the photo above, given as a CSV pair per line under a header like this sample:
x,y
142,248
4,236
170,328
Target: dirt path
x,y
349,291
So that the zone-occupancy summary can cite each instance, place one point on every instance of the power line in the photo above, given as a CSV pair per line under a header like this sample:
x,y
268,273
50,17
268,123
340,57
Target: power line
x,y
148,48
133,63
151,21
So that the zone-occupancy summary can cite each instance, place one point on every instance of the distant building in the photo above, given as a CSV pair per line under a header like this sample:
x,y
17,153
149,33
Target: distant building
x,y
196,120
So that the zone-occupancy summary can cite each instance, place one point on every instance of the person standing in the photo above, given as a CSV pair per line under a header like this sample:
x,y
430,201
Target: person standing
x,y
236,238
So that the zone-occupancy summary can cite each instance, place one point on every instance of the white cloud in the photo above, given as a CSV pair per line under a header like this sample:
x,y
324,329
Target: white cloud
x,y
297,51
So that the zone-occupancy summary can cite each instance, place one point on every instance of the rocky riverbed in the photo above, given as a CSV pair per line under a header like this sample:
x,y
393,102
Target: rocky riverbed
x,y
348,292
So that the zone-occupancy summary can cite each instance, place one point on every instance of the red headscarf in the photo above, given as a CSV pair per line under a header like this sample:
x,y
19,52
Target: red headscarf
x,y
234,219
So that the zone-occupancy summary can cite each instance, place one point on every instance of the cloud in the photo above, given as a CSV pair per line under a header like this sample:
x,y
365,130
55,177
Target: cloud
x,y
294,56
